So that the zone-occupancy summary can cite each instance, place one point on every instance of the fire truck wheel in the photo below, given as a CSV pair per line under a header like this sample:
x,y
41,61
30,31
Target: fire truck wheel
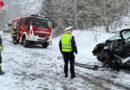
x,y
25,42
15,43
45,45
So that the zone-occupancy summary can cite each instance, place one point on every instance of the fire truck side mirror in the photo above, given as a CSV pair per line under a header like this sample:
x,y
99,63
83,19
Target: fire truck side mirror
x,y
54,25
27,23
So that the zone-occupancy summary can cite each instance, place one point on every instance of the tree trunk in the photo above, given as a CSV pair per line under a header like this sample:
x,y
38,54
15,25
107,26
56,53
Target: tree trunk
x,y
107,28
75,13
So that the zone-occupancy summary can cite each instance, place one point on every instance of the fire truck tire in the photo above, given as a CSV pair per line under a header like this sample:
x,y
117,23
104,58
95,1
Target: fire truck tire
x,y
45,45
15,43
25,42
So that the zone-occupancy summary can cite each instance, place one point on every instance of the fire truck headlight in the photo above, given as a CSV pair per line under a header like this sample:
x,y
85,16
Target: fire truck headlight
x,y
50,38
32,38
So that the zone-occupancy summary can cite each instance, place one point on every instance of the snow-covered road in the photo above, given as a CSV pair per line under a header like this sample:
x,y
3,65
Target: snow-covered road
x,y
36,68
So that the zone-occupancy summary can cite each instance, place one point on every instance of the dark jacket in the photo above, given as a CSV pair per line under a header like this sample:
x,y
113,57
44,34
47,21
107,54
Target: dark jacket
x,y
74,47
0,41
1,44
15,31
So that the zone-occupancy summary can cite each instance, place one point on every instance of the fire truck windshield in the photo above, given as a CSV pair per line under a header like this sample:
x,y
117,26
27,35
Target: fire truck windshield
x,y
42,23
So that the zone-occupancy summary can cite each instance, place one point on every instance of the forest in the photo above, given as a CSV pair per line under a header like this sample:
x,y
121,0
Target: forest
x,y
84,14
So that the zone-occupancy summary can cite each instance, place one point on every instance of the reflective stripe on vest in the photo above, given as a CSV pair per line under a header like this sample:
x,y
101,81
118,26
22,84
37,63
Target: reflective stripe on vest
x,y
1,48
66,42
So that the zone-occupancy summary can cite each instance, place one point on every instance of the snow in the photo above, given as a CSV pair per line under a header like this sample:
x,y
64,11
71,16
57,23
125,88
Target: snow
x,y
19,8
32,6
86,43
121,24
36,68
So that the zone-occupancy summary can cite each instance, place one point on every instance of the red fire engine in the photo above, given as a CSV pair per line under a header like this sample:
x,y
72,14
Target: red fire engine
x,y
33,29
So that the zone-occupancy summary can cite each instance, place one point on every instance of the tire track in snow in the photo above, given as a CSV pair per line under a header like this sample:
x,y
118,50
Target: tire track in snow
x,y
32,69
102,83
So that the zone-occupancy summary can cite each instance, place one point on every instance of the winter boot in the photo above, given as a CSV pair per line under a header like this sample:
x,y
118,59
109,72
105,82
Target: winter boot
x,y
66,75
73,76
1,72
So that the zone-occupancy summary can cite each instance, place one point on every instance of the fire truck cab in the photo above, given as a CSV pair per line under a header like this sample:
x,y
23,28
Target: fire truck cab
x,y
33,29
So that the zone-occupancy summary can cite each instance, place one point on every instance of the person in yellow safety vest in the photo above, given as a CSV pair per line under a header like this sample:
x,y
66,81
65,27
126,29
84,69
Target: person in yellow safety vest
x,y
67,47
15,32
1,48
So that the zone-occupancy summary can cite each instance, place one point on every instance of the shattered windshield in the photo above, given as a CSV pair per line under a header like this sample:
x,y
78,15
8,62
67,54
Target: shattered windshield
x,y
42,23
126,35
115,37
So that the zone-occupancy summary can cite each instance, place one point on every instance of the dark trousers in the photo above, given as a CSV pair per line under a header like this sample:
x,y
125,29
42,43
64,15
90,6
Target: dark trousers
x,y
0,61
0,58
68,56
15,39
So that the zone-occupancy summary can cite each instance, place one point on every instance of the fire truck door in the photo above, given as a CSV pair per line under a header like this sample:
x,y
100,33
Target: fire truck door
x,y
23,26
17,26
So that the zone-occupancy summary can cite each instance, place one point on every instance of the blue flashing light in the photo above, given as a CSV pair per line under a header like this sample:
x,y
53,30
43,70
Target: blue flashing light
x,y
35,15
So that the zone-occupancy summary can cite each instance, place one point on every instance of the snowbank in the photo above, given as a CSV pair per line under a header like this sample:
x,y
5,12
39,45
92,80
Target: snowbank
x,y
36,68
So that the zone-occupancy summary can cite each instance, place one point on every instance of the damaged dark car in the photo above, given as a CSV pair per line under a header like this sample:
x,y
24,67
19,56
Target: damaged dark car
x,y
114,53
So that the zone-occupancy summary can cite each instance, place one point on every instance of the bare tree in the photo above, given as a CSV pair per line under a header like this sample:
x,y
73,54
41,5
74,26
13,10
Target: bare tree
x,y
85,14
